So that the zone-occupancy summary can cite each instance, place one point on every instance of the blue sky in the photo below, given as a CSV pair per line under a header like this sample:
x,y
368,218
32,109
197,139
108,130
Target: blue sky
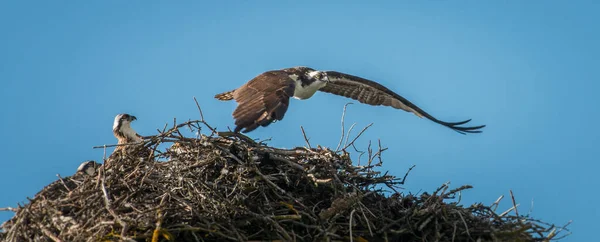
x,y
527,69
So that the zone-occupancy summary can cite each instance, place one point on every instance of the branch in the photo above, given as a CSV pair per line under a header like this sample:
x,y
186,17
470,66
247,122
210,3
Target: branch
x,y
9,209
343,117
357,136
305,139
202,120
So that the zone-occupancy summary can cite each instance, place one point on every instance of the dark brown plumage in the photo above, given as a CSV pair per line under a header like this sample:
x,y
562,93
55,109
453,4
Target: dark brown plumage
x,y
373,93
265,98
261,104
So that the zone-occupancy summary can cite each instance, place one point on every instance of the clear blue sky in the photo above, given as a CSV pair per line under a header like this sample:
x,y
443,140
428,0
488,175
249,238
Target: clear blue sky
x,y
527,69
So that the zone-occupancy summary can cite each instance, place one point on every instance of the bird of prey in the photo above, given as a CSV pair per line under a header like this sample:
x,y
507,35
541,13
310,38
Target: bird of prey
x,y
127,138
88,167
123,131
265,98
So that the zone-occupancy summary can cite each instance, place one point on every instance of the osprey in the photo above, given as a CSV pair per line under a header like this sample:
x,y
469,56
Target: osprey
x,y
123,131
265,98
127,137
88,167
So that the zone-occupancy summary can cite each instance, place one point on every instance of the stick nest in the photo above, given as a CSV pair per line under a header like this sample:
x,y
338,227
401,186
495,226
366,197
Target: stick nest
x,y
220,187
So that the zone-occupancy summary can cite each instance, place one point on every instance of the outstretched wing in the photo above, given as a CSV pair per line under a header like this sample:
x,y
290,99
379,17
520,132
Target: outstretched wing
x,y
262,100
373,93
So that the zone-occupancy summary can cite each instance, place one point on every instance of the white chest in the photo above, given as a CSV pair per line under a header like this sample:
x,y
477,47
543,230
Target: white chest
x,y
305,92
130,133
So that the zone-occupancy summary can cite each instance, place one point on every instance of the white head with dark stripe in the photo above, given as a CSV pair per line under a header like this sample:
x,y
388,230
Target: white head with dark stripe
x,y
308,81
88,167
122,129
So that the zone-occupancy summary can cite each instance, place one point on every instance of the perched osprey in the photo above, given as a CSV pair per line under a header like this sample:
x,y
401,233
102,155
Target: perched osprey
x,y
123,131
126,135
265,98
88,167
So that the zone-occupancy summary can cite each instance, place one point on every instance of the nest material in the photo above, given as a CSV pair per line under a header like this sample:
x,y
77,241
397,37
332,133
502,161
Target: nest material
x,y
216,188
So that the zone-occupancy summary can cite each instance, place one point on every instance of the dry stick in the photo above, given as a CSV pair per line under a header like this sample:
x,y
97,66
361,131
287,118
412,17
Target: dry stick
x,y
369,154
12,232
496,203
560,230
146,137
159,220
238,135
305,139
107,206
272,184
380,151
350,224
9,209
357,136
115,145
50,234
63,182
343,117
514,203
287,152
203,121
362,210
289,162
406,174
102,168
454,232
508,211
162,137
465,223
348,134
530,209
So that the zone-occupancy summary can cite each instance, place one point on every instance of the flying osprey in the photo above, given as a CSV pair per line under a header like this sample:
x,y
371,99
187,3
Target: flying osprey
x,y
265,98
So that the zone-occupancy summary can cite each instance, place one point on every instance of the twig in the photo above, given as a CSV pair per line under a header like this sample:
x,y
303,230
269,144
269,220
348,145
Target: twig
x,y
466,225
305,139
530,208
159,220
269,181
115,145
348,134
9,209
343,132
508,210
50,234
289,162
107,204
238,135
63,182
350,224
564,227
496,203
357,136
203,121
406,174
514,203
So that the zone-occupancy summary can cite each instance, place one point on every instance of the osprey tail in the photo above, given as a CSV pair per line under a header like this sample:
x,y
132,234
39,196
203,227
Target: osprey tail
x,y
226,96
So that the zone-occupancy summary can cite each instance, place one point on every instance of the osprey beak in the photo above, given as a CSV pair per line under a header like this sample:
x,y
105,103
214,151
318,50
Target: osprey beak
x,y
133,118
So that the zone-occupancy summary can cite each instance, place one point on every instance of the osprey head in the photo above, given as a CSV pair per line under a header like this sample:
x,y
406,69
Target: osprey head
x,y
122,120
318,76
88,167
311,74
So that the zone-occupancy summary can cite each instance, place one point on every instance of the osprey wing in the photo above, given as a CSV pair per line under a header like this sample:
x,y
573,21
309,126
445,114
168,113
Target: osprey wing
x,y
262,100
373,93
